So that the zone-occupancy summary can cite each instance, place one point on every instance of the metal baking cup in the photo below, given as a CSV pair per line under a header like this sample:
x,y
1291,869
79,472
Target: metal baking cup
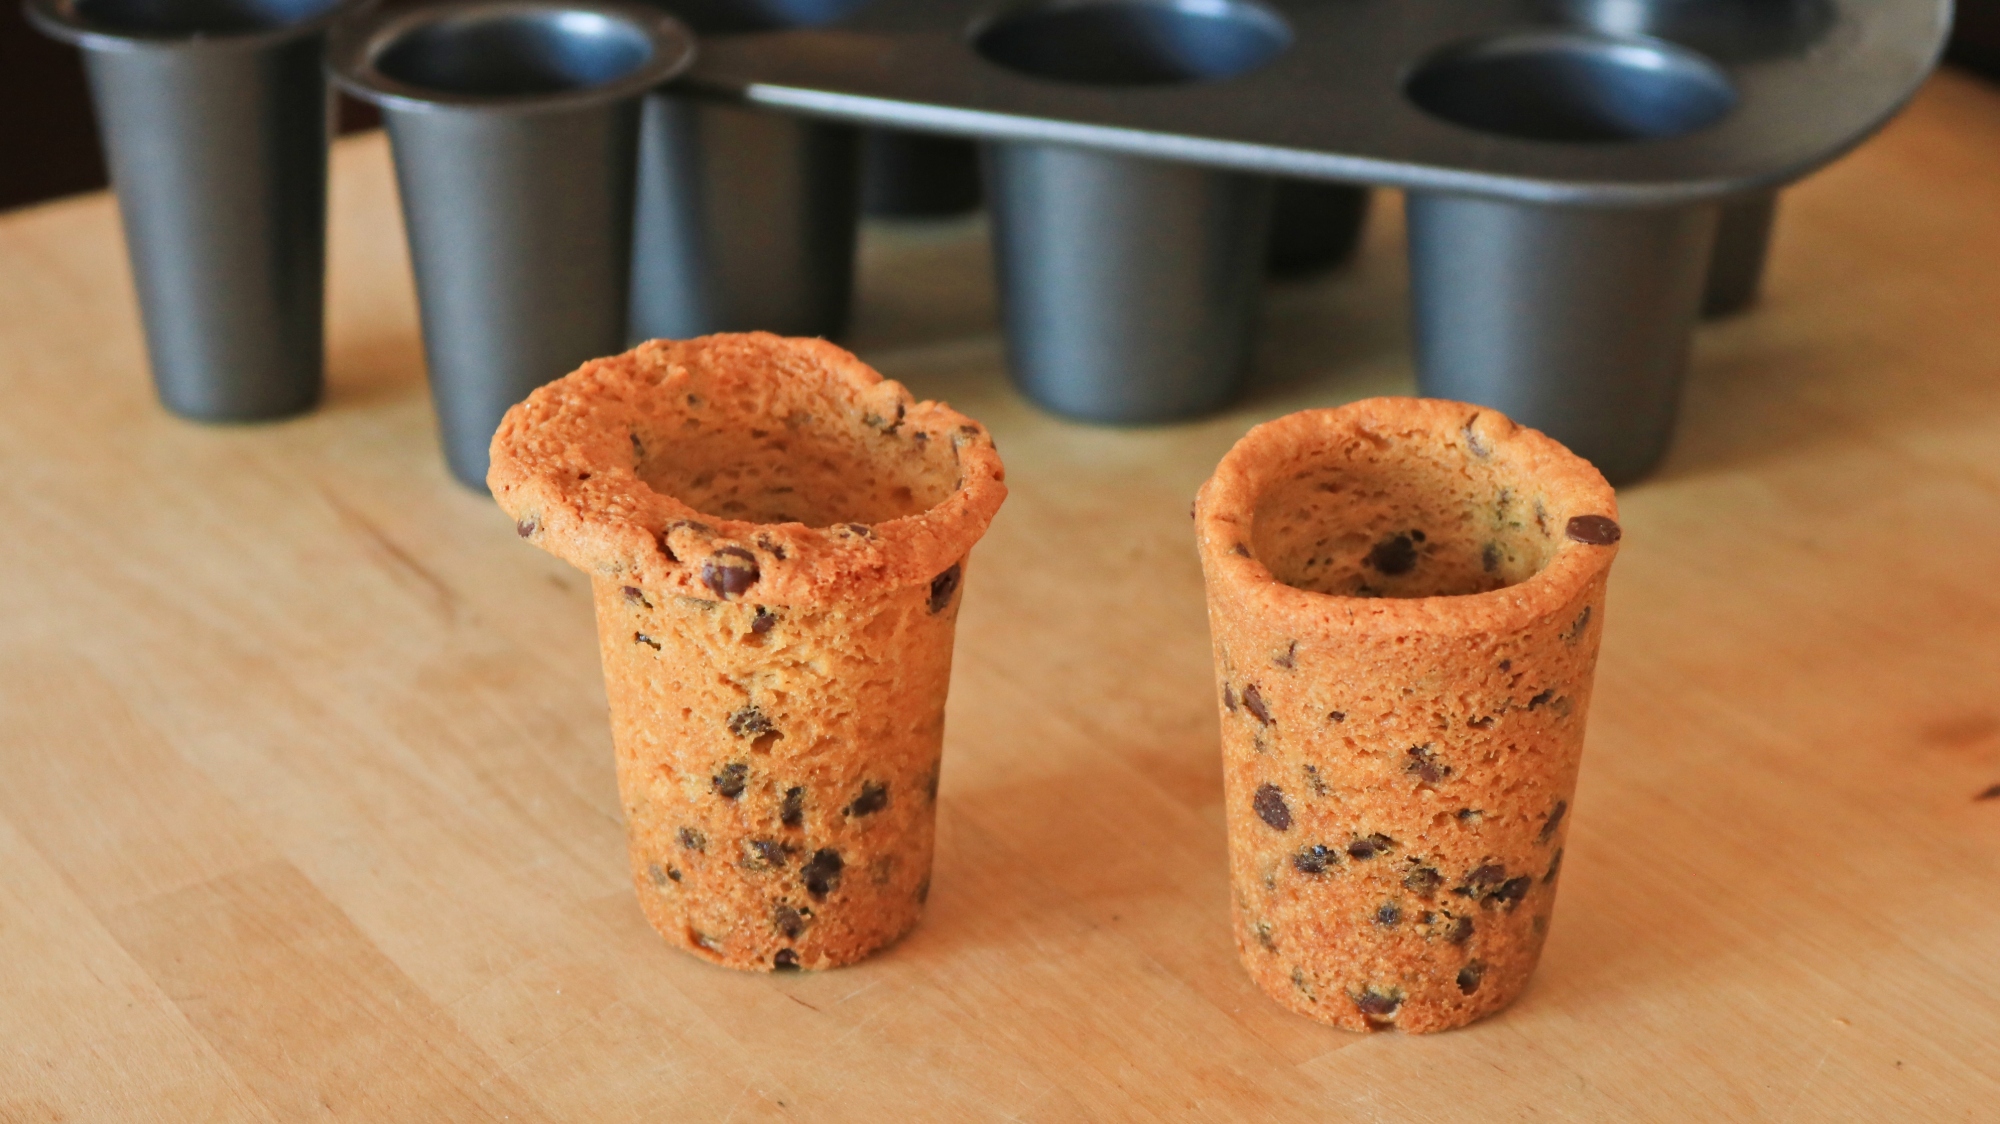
x,y
515,128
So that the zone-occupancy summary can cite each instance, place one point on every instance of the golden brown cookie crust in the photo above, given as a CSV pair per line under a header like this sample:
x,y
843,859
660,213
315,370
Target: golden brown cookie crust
x,y
575,466
1401,737
777,540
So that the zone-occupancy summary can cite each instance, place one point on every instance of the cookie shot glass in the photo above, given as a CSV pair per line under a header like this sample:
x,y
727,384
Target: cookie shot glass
x,y
1405,598
777,540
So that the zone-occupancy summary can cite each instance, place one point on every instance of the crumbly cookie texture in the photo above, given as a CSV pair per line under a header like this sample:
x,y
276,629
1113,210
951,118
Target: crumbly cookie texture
x,y
1405,599
777,542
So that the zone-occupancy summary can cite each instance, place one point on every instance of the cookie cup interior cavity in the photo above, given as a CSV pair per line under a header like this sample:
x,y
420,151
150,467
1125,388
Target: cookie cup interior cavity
x,y
745,467
1405,622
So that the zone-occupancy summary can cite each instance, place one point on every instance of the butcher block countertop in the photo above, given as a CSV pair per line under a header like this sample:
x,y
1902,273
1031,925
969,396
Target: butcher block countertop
x,y
306,797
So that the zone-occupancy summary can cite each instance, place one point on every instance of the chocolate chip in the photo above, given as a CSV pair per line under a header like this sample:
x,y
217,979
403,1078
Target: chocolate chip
x,y
1555,819
693,840
1489,557
1388,915
636,596
765,854
1315,859
527,527
1336,715
1577,626
1270,805
859,530
822,872
1423,881
730,572
657,873
1468,977
1253,701
1481,881
1475,444
793,812
1544,697
642,638
1470,815
763,621
750,722
1425,766
1315,780
1228,699
943,586
1240,550
1555,864
785,961
730,781
1369,847
1594,530
789,922
1460,930
1506,665
1510,892
1290,658
1378,1002
673,874
874,797
1394,555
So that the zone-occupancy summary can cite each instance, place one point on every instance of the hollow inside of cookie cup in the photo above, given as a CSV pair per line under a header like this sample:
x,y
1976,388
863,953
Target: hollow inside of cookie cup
x,y
1428,519
816,452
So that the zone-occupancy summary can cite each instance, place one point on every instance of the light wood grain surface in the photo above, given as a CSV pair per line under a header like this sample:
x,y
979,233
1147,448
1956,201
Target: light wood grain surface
x,y
306,796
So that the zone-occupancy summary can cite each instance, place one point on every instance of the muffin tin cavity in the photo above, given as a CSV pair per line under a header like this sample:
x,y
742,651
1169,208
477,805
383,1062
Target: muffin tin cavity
x,y
196,17
1363,524
1134,42
1571,86
1729,30
712,17
508,52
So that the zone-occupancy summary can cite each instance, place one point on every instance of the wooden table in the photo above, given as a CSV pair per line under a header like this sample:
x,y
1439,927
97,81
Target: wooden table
x,y
306,797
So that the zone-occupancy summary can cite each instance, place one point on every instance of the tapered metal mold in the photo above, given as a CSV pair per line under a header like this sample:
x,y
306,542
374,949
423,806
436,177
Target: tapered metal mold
x,y
906,175
515,129
746,221
1128,284
213,116
1314,226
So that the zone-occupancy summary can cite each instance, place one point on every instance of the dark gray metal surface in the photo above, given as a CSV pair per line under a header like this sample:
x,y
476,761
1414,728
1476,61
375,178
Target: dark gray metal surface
x,y
1314,226
514,125
916,175
1128,286
746,221
1811,79
1742,242
214,121
1573,320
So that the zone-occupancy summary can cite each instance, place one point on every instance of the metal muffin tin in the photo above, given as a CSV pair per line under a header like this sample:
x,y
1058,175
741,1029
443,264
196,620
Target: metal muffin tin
x,y
1615,130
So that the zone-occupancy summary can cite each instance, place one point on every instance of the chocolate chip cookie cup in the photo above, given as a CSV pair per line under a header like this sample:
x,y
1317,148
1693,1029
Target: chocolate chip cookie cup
x,y
1405,597
777,539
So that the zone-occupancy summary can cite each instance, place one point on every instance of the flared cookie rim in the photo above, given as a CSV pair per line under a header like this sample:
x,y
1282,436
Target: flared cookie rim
x,y
558,471
1225,511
